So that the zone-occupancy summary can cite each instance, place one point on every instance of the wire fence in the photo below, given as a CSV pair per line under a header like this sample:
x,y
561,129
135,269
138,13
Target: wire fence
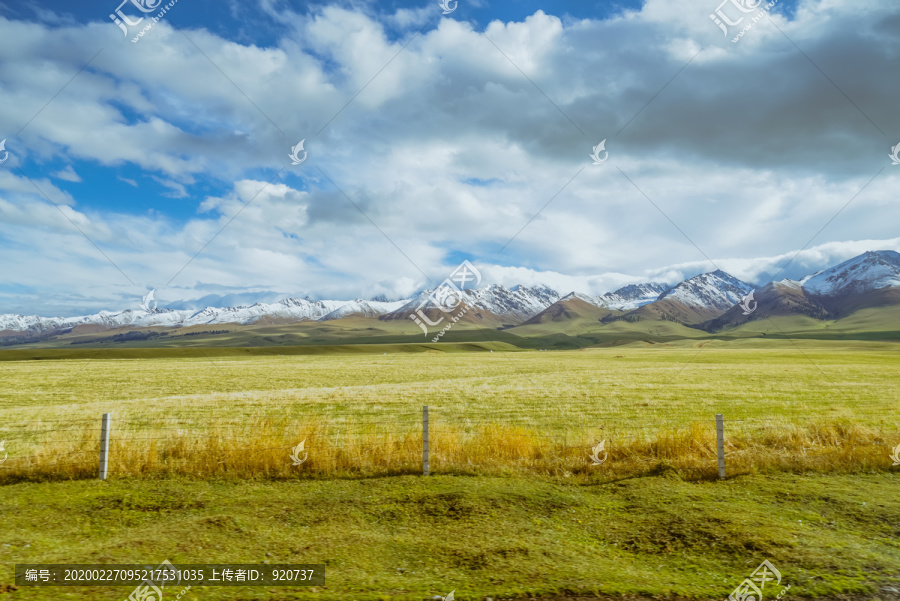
x,y
340,443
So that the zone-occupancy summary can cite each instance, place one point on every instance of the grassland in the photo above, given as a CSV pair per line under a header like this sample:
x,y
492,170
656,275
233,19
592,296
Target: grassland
x,y
411,537
200,469
791,405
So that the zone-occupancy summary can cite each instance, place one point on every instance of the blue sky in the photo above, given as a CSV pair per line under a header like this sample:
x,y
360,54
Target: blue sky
x,y
162,163
247,21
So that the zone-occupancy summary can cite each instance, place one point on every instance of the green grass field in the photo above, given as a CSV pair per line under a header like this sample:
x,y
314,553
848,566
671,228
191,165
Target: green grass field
x,y
411,537
676,382
200,469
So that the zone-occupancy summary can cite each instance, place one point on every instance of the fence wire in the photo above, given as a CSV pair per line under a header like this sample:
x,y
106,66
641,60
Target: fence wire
x,y
195,442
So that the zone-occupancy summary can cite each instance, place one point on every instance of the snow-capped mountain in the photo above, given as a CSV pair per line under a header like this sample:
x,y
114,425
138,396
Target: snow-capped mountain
x,y
591,300
628,297
708,301
775,299
363,308
517,303
34,325
693,301
514,304
869,271
870,280
287,310
713,290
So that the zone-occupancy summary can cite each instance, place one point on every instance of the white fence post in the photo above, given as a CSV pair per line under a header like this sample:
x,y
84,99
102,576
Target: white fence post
x,y
720,443
104,446
425,440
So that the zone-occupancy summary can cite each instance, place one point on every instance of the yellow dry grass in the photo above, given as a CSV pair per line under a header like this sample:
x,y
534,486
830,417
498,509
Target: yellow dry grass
x,y
264,451
824,407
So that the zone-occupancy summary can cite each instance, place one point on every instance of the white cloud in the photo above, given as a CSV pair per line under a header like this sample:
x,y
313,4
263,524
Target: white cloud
x,y
68,174
747,154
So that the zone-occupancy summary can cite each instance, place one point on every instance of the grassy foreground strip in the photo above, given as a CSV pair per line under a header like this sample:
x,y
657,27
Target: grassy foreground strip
x,y
412,537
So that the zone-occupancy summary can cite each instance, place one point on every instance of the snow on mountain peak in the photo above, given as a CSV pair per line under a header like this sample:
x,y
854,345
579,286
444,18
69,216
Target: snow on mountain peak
x,y
517,303
871,270
716,289
626,298
363,308
634,295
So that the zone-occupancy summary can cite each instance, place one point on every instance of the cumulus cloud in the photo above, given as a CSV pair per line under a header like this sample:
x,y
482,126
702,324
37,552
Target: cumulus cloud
x,y
456,141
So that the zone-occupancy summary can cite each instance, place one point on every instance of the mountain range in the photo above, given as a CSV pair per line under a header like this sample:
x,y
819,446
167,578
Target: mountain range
x,y
708,303
869,280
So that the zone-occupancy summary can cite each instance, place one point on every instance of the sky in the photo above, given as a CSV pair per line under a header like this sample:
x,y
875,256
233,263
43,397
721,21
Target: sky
x,y
158,152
